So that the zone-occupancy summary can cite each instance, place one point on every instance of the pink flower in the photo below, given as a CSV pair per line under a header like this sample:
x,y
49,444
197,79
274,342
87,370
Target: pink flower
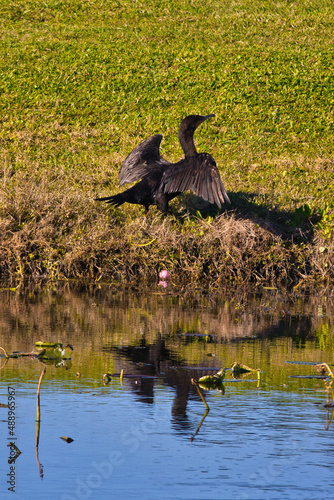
x,y
163,274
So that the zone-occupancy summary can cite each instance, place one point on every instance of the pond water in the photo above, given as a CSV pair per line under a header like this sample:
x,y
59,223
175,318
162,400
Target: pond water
x,y
146,433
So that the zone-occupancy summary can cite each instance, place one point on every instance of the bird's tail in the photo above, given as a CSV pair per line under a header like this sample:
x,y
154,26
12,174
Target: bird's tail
x,y
116,199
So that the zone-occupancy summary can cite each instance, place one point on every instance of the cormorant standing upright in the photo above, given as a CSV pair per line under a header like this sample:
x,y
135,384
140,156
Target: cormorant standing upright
x,y
161,181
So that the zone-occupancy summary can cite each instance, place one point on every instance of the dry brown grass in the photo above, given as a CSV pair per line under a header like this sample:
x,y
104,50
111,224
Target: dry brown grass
x,y
50,229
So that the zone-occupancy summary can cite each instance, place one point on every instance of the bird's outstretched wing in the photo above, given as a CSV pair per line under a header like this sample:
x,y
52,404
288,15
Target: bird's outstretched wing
x,y
198,174
142,160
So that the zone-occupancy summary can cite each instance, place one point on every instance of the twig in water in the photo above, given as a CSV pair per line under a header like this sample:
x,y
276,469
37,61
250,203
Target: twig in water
x,y
199,426
38,419
5,352
201,395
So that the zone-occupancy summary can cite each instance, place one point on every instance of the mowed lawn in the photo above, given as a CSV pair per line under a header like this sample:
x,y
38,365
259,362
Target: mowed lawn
x,y
83,82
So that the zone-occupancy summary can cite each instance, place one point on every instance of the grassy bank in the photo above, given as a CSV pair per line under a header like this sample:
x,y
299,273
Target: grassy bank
x,y
83,82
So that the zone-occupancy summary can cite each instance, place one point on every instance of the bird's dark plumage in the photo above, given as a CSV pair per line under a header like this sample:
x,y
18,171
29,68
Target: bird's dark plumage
x,y
160,181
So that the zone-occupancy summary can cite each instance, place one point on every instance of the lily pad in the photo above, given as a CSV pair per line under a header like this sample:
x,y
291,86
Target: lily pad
x,y
53,350
212,381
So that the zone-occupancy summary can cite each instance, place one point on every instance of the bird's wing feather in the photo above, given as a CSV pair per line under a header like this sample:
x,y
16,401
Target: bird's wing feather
x,y
198,174
141,160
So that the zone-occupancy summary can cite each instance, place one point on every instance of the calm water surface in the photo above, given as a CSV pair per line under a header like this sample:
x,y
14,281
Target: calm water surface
x,y
141,437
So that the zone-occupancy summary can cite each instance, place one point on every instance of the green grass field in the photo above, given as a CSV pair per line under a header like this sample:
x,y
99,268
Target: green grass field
x,y
83,82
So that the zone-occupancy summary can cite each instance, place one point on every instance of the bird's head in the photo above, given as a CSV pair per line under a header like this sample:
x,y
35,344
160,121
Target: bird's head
x,y
186,132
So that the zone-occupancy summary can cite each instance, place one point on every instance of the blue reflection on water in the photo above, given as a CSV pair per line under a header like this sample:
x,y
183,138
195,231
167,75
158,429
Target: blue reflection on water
x,y
140,440
254,447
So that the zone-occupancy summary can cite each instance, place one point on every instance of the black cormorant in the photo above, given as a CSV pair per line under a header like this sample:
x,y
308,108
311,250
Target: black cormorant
x,y
161,181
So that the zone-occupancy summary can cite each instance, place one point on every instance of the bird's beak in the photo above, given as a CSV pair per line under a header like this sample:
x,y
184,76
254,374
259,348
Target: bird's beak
x,y
207,117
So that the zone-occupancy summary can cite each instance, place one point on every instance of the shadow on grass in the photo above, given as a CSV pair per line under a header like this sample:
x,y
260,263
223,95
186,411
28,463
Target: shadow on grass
x,y
297,225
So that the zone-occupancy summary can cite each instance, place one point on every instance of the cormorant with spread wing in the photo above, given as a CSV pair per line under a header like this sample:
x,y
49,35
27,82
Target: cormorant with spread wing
x,y
160,181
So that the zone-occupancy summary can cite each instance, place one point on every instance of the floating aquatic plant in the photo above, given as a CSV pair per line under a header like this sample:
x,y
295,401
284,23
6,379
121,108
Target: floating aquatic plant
x,y
238,369
53,350
212,381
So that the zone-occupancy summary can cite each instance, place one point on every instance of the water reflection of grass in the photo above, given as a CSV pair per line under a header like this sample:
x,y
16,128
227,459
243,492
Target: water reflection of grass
x,y
111,332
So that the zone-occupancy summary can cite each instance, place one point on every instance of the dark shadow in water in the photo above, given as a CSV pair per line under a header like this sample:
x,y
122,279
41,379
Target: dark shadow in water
x,y
297,328
156,360
146,358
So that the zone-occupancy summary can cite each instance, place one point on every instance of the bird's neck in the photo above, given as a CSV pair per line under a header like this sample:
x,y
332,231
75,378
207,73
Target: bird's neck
x,y
187,143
